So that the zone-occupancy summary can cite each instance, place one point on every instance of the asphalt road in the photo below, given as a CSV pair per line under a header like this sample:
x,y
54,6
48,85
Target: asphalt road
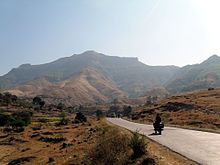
x,y
202,147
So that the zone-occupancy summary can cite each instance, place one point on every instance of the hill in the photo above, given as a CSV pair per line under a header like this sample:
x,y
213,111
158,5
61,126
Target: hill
x,y
198,109
198,76
87,77
94,77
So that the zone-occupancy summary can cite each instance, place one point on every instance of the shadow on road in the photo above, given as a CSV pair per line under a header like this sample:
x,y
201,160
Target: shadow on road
x,y
154,134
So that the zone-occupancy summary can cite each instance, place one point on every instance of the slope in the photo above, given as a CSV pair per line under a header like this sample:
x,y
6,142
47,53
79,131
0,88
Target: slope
x,y
126,74
87,87
199,76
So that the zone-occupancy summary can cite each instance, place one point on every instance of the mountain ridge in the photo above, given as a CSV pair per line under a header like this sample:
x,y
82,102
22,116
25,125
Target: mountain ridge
x,y
103,78
197,76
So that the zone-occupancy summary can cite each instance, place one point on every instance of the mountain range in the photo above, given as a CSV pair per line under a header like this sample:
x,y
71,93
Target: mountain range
x,y
94,77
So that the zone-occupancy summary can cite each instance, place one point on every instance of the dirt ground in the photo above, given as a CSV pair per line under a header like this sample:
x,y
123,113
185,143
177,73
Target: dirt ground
x,y
46,143
49,142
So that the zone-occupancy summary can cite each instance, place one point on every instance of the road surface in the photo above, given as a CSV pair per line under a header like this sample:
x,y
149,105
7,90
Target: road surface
x,y
202,147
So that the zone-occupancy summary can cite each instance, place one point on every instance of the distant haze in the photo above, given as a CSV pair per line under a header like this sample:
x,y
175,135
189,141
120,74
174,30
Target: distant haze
x,y
158,32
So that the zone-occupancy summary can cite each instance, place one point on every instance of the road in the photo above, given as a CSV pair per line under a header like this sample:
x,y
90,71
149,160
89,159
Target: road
x,y
202,147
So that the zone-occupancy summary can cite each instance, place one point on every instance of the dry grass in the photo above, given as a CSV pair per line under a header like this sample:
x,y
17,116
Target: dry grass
x,y
78,139
200,110
111,148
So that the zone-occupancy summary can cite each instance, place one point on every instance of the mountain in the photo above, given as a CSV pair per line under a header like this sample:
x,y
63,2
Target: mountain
x,y
198,76
87,77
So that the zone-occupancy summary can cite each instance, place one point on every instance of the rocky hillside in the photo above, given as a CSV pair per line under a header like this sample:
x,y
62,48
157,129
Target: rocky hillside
x,y
94,77
199,76
87,77
198,109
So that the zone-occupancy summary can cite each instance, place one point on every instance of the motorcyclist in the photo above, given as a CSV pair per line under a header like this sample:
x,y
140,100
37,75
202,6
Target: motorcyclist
x,y
156,124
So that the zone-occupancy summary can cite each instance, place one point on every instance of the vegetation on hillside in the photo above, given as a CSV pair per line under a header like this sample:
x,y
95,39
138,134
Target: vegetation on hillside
x,y
198,110
61,140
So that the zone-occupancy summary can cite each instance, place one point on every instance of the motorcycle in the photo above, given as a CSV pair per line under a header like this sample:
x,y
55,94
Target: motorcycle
x,y
158,128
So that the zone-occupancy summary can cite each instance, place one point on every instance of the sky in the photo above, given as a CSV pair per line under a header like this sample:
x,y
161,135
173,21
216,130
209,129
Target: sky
x,y
158,32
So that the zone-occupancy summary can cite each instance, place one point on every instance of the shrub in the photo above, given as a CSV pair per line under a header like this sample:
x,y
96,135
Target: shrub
x,y
37,101
80,117
111,148
17,123
63,119
17,119
148,161
60,106
138,145
3,119
41,103
7,98
25,116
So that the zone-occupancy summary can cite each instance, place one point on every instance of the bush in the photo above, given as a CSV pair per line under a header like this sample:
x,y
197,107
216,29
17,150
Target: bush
x,y
60,106
7,98
41,103
25,116
80,117
37,101
63,119
3,119
17,123
148,161
138,145
111,148
17,120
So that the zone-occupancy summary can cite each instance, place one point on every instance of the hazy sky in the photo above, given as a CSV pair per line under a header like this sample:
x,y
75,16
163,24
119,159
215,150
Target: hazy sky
x,y
158,32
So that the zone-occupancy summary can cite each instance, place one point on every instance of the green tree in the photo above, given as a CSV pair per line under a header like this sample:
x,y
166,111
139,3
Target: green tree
x,y
37,101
